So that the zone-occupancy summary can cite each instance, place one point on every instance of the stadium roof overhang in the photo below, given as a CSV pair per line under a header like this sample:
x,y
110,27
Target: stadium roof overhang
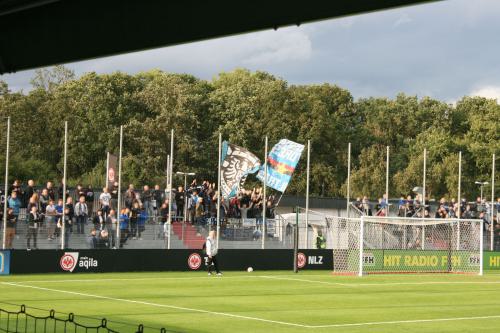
x,y
36,33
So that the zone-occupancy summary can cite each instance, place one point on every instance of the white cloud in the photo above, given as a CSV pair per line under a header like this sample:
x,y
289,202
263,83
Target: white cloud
x,y
492,92
403,19
278,47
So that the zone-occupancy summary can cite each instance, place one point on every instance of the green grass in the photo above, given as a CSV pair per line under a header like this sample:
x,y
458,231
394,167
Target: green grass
x,y
240,299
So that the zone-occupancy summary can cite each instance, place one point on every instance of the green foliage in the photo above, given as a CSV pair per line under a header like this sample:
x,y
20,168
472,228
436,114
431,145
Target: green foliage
x,y
245,107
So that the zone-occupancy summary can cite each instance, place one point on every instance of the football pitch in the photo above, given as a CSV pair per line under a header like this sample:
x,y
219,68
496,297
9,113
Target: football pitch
x,y
265,301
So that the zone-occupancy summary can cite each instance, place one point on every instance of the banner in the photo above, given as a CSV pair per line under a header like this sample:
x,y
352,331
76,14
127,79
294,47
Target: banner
x,y
237,163
281,164
111,172
4,262
416,260
154,260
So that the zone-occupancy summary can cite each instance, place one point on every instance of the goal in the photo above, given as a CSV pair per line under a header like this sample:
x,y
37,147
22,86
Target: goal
x,y
378,245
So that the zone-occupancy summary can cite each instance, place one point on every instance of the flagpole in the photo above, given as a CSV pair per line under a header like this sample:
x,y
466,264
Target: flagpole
x,y
348,177
218,188
118,205
264,197
4,243
168,173
306,232
424,181
459,195
107,171
170,185
63,226
459,213
387,184
492,232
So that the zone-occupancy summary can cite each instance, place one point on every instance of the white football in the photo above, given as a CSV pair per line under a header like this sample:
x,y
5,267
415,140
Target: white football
x,y
249,269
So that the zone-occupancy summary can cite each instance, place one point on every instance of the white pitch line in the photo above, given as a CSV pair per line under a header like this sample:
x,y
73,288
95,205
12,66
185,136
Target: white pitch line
x,y
305,280
255,318
415,321
376,283
159,305
127,279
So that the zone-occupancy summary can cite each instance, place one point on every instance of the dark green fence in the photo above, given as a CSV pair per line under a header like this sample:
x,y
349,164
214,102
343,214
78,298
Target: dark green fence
x,y
23,322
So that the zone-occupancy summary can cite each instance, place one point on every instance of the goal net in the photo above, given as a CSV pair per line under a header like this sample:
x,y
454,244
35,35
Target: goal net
x,y
369,245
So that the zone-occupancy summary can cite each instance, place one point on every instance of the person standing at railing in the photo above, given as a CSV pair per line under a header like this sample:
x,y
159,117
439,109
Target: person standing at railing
x,y
71,211
50,191
89,198
92,239
60,190
50,219
158,196
111,226
180,198
33,223
146,198
30,190
320,241
105,201
82,213
130,196
141,221
114,196
68,226
99,220
134,216
124,226
11,228
14,203
59,211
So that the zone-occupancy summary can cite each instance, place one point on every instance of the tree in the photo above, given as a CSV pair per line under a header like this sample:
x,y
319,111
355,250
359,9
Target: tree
x,y
4,88
49,78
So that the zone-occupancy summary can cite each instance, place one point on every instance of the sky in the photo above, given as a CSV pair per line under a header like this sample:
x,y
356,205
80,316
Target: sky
x,y
444,50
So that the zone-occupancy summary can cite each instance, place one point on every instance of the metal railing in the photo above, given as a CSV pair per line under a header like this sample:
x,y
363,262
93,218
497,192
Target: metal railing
x,y
21,321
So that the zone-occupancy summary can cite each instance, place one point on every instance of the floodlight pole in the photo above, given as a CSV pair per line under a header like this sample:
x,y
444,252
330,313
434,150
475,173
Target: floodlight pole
x,y
492,224
296,241
387,183
6,188
170,186
424,181
168,173
348,177
63,223
264,197
118,213
306,232
423,199
459,214
218,188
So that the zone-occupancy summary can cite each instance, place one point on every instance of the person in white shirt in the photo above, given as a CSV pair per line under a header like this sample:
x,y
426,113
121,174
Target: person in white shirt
x,y
211,251
105,200
50,218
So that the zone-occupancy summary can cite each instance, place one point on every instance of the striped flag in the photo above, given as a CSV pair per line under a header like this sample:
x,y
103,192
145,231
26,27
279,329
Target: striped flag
x,y
281,163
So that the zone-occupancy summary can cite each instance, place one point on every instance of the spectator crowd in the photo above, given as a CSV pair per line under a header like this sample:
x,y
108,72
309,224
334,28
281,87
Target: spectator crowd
x,y
45,213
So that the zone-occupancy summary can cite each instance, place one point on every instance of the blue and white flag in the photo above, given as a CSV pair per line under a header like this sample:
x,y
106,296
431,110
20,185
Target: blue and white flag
x,y
236,164
281,163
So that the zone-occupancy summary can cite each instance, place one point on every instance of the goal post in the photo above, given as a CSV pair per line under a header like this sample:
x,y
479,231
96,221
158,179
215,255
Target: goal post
x,y
378,245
